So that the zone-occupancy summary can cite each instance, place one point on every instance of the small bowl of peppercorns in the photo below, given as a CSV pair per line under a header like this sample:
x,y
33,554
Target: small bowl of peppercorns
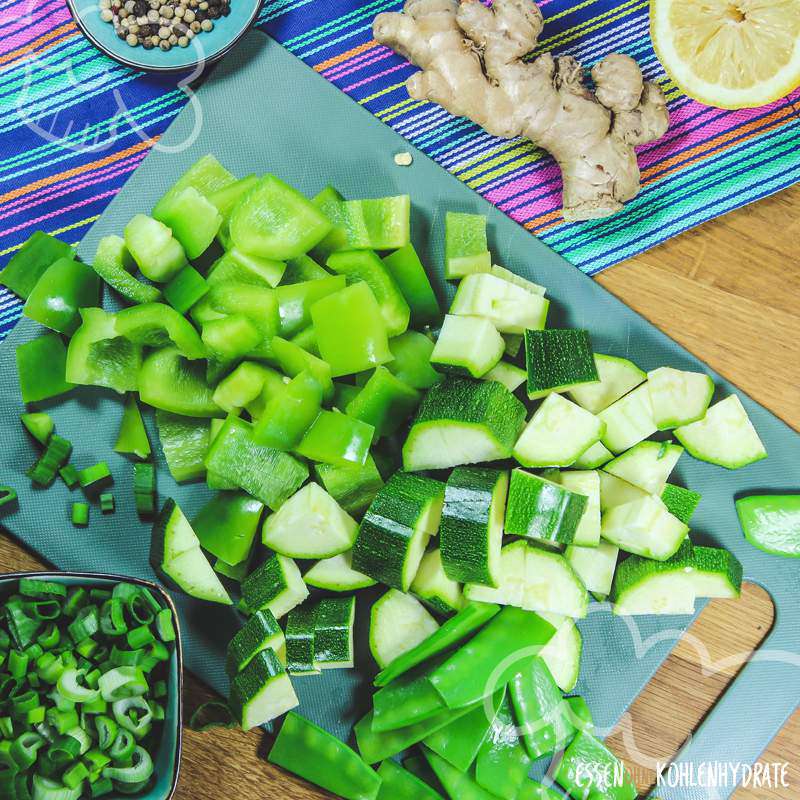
x,y
164,35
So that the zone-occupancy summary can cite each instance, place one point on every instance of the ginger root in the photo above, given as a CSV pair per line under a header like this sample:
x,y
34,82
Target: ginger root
x,y
472,64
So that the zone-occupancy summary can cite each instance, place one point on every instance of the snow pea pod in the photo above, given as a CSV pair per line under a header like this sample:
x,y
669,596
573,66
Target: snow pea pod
x,y
588,768
450,633
510,640
457,784
771,523
397,782
531,790
312,753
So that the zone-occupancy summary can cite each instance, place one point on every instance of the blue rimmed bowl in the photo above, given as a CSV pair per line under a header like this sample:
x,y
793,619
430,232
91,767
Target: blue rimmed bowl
x,y
167,760
203,49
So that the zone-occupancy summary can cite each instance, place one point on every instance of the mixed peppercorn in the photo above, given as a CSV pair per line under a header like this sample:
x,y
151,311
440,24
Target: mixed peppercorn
x,y
162,23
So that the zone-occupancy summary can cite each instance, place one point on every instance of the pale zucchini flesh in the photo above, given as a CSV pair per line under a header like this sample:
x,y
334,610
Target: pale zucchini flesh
x,y
595,565
647,465
467,345
510,375
562,653
551,585
616,492
431,585
644,527
587,483
597,455
678,397
511,579
618,376
336,574
628,421
398,623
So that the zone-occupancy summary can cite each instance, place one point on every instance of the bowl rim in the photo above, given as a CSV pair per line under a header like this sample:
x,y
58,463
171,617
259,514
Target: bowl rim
x,y
52,574
192,65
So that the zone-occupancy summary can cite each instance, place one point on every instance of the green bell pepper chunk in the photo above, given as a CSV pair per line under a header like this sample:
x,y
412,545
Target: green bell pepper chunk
x,y
226,525
267,474
39,425
579,714
302,269
312,753
206,175
41,364
459,742
158,325
771,523
244,386
213,480
331,204
236,572
385,402
409,274
132,436
465,247
351,333
8,495
397,783
185,289
157,253
353,486
114,264
230,338
296,299
344,394
406,701
293,360
226,197
273,384
273,220
290,413
411,362
456,783
237,267
65,287
502,763
512,638
170,382
540,709
184,441
31,261
193,219
98,356
335,438
307,340
590,771
364,265
450,633
380,223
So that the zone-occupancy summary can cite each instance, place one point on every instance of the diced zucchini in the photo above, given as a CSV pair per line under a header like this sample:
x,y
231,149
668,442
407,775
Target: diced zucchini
x,y
276,585
557,433
725,436
678,397
543,510
562,653
353,486
411,361
300,633
333,633
680,502
465,247
715,572
552,585
645,586
618,376
511,579
471,530
771,522
337,575
597,455
262,691
587,483
395,530
644,527
616,492
462,421
628,421
513,344
510,308
310,524
434,588
398,623
595,565
259,632
558,359
517,280
646,465
510,375
467,346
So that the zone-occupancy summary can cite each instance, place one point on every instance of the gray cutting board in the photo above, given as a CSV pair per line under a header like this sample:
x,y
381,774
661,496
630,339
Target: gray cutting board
x,y
265,111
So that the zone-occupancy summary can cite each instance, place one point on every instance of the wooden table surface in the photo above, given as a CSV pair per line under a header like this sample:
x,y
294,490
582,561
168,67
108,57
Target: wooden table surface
x,y
728,291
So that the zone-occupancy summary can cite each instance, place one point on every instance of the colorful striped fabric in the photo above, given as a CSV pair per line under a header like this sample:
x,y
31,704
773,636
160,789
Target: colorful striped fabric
x,y
74,125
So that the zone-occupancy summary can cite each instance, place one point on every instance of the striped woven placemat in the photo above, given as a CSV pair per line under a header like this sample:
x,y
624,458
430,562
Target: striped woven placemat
x,y
74,125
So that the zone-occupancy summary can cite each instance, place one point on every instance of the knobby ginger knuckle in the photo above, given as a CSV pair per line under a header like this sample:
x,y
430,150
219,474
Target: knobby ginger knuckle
x,y
471,61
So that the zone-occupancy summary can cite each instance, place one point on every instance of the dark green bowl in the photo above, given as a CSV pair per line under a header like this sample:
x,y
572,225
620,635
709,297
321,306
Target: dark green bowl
x,y
167,760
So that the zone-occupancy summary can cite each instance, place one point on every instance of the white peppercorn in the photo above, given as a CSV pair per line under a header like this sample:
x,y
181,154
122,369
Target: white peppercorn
x,y
106,15
132,40
183,41
207,25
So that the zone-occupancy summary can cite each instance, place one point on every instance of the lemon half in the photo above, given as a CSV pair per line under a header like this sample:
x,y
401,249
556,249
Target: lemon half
x,y
729,53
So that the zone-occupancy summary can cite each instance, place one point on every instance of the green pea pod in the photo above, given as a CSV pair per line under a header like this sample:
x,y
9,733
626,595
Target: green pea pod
x,y
531,790
457,784
494,656
158,325
397,783
31,261
580,715
65,287
41,365
771,523
587,768
312,753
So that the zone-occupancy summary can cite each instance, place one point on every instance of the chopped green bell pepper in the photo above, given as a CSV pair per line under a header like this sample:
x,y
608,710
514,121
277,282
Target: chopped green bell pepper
x,y
590,771
335,438
465,247
409,274
98,356
185,289
170,382
41,364
184,441
65,287
114,264
302,269
158,325
206,175
213,480
331,204
225,198
289,414
351,333
237,267
230,338
398,783
293,360
39,425
411,362
353,486
31,261
267,474
193,219
273,220
157,253
296,299
385,402
364,265
380,223
244,386
307,340
132,436
226,525
312,753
